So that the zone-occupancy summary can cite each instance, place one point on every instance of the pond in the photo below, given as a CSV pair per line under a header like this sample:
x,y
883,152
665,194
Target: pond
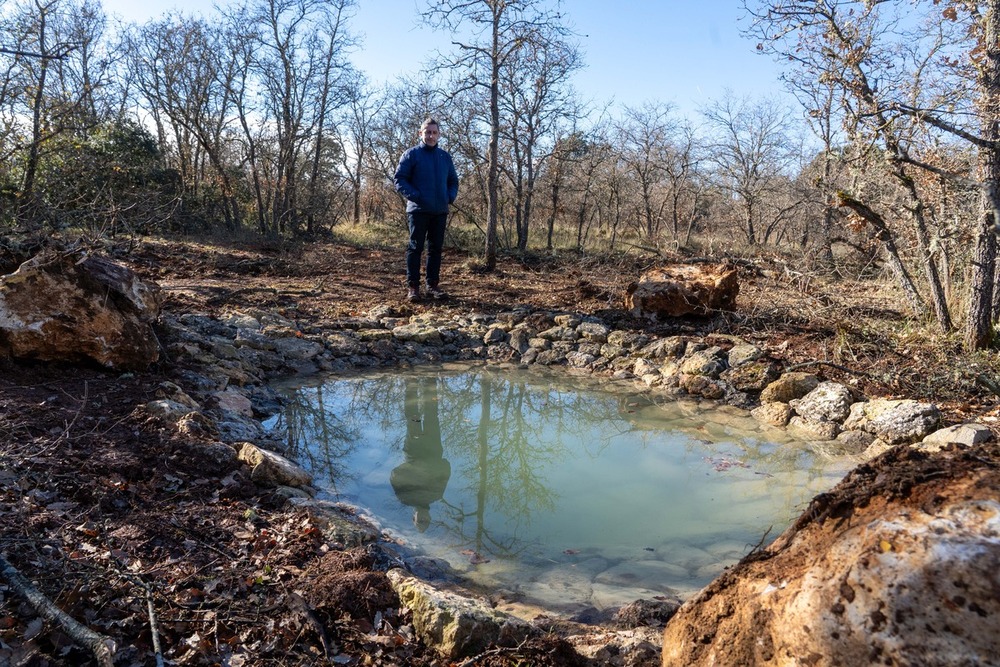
x,y
556,490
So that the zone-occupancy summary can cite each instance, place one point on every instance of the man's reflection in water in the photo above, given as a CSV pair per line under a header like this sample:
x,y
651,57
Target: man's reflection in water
x,y
423,475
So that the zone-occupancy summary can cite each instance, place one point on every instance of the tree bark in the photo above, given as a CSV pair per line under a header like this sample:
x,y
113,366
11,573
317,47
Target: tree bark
x,y
979,325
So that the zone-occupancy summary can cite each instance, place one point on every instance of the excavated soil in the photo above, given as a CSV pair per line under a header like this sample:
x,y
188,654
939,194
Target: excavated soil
x,y
125,525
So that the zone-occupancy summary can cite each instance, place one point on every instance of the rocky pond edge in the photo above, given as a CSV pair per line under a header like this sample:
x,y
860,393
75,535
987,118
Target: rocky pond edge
x,y
223,368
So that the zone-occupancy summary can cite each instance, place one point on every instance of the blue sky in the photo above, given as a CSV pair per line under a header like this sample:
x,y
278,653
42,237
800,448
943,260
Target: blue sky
x,y
686,52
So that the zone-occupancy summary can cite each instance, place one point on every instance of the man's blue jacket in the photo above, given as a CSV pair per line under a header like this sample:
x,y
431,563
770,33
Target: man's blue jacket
x,y
426,177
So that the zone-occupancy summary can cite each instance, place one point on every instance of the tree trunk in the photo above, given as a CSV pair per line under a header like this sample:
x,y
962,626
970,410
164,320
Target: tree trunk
x,y
493,173
979,326
883,234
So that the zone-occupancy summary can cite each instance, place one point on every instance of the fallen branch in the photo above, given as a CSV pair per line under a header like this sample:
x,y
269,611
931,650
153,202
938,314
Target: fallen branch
x,y
102,647
824,363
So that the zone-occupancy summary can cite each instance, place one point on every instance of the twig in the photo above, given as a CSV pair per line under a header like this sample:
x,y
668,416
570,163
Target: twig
x,y
101,646
154,627
824,363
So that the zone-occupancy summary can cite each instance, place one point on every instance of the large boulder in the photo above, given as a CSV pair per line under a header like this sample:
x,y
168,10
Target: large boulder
x,y
683,289
898,565
76,307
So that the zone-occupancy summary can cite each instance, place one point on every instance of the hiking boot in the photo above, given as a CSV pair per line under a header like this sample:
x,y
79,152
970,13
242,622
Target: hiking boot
x,y
413,294
436,292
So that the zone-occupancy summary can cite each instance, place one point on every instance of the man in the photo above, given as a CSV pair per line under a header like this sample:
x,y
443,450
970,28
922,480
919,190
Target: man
x,y
426,177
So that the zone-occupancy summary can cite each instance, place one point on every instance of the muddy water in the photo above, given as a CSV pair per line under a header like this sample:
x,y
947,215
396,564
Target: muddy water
x,y
554,490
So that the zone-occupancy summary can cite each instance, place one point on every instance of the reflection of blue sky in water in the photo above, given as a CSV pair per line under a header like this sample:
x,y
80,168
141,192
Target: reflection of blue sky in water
x,y
541,468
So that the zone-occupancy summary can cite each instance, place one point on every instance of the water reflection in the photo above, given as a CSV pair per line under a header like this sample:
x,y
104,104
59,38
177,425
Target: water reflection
x,y
422,477
520,471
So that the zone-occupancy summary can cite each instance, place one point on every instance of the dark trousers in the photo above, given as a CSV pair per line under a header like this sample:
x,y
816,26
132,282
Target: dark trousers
x,y
429,226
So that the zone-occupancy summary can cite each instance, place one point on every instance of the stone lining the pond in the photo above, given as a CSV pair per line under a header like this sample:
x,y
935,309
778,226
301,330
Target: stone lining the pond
x,y
221,390
233,359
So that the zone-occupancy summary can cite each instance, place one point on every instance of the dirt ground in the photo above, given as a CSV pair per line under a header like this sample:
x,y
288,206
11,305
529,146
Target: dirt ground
x,y
124,525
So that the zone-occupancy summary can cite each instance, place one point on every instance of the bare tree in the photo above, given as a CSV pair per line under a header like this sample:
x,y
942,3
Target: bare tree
x,y
907,72
499,31
535,99
751,152
644,142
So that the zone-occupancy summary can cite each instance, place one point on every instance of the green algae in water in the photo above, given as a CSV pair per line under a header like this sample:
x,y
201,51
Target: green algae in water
x,y
563,491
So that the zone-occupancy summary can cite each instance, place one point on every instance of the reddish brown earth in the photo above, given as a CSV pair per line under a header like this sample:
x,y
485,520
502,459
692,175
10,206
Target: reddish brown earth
x,y
122,523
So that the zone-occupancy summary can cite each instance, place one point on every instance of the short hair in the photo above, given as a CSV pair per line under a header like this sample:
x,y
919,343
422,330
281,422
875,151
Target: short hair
x,y
429,121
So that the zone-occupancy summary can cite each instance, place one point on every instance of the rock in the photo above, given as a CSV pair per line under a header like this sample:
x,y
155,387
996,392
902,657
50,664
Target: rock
x,y
594,332
297,349
454,625
789,387
744,353
663,348
494,335
907,579
168,410
961,434
895,421
855,442
519,340
700,385
647,613
750,375
271,469
645,367
683,289
814,430
339,525
74,307
234,401
828,402
708,362
775,414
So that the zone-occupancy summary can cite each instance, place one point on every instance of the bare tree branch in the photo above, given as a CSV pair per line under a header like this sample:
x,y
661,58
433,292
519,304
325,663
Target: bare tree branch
x,y
101,646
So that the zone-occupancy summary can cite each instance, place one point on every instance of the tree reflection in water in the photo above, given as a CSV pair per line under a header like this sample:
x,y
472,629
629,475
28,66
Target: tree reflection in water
x,y
504,462
504,432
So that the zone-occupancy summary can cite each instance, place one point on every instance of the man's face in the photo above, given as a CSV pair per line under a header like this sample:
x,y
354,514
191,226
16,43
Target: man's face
x,y
430,135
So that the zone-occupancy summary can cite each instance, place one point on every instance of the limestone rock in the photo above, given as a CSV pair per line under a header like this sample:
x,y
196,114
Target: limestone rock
x,y
664,348
271,469
708,362
456,626
683,289
594,332
899,580
896,421
789,387
855,442
74,307
417,333
961,434
743,353
750,375
774,413
828,402
817,430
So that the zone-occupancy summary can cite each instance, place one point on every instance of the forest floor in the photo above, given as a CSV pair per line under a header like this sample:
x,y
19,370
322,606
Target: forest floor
x,y
125,525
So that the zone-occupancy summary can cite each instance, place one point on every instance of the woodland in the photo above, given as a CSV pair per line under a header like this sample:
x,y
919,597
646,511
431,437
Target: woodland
x,y
246,149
